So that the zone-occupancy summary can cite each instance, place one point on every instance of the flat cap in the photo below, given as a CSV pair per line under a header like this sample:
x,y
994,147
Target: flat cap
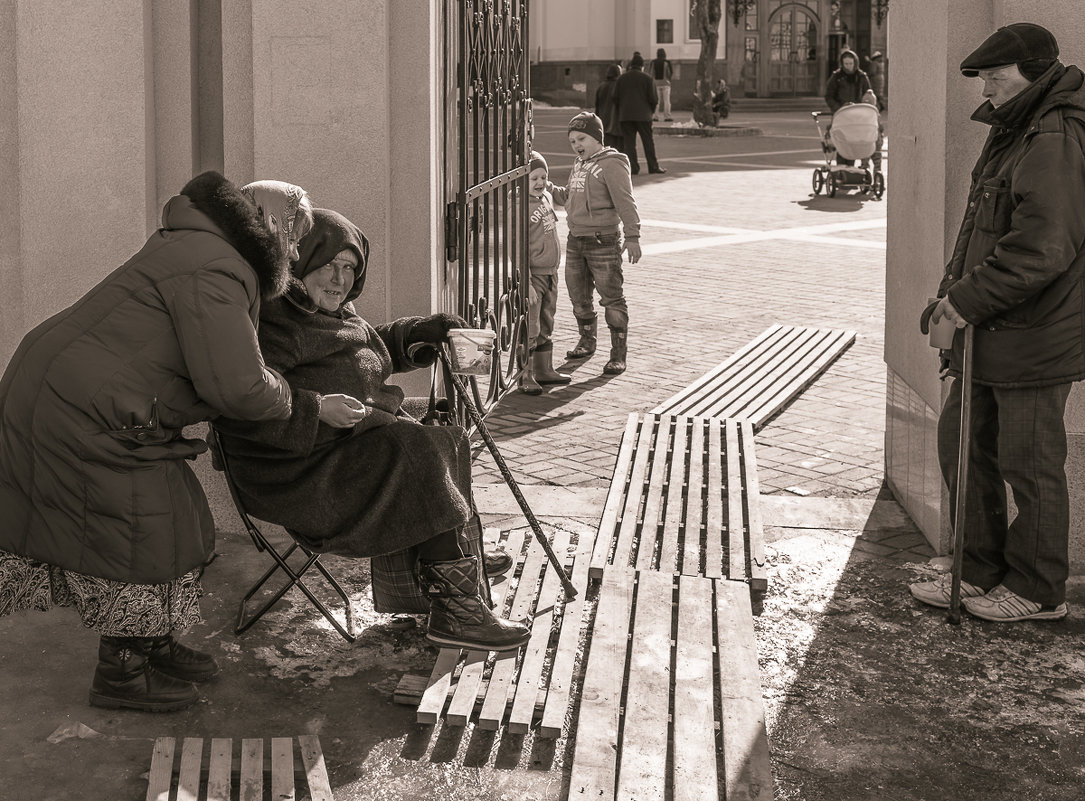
x,y
1013,44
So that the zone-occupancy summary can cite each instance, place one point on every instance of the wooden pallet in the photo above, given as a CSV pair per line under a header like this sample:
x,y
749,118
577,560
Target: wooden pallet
x,y
520,687
227,773
684,499
763,377
671,703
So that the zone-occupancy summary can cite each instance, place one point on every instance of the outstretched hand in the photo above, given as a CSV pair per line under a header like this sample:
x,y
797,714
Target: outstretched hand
x,y
433,330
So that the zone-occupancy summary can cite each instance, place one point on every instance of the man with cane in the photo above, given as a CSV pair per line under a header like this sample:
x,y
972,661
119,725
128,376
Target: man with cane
x,y
1017,277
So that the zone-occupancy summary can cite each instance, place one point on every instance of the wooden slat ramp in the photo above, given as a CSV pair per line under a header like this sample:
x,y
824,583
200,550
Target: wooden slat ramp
x,y
223,771
518,688
684,499
759,380
671,703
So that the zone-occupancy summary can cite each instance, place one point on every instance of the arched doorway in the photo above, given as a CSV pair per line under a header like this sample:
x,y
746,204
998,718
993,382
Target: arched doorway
x,y
792,50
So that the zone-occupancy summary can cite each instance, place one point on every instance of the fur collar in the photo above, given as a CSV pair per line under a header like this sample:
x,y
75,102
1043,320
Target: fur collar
x,y
244,228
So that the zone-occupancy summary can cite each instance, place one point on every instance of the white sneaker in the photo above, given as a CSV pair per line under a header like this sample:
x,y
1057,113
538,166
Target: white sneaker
x,y
1006,606
937,592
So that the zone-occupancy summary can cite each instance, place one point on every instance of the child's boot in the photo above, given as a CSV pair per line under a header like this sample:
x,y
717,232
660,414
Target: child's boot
x,y
616,364
586,346
542,366
528,384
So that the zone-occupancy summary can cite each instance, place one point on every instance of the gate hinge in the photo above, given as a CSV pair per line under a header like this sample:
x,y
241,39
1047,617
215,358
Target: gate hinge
x,y
452,230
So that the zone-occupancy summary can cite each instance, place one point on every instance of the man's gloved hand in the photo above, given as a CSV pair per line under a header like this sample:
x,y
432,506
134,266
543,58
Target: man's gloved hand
x,y
433,330
925,317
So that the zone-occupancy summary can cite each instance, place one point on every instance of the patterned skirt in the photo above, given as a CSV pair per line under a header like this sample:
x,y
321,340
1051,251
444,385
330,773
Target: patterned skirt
x,y
112,608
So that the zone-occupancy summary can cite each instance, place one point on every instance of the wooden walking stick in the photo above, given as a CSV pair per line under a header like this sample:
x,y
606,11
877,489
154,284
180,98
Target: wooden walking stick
x,y
566,585
964,446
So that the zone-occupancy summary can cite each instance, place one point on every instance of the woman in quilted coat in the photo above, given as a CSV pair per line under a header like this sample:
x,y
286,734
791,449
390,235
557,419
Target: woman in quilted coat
x,y
101,510
349,472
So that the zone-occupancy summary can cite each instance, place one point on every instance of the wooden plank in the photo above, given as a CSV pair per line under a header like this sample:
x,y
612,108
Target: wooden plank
x,y
464,699
615,498
531,665
695,504
719,375
161,776
675,508
218,769
188,776
316,772
627,529
561,671
594,770
714,506
747,775
440,680
653,497
754,524
694,718
736,506
251,784
643,772
497,692
282,769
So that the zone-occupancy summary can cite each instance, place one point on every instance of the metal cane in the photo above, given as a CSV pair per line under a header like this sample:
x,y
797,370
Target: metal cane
x,y
964,446
476,418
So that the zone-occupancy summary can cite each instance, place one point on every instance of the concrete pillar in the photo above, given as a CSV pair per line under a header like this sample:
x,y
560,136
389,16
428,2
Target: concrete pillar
x,y
934,146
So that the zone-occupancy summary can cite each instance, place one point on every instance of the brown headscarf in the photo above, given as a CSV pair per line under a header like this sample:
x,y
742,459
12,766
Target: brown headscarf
x,y
285,208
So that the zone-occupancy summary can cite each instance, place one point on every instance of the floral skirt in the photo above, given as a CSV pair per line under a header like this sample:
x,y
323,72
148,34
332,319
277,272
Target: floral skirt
x,y
112,608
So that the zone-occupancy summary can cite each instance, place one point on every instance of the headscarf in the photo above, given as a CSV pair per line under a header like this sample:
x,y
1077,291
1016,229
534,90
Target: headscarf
x,y
285,204
330,234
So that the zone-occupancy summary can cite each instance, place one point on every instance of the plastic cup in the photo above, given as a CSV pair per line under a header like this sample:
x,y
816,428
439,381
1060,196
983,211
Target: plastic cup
x,y
471,350
941,333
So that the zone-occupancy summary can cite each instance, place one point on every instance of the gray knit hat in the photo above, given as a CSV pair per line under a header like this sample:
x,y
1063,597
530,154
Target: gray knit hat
x,y
588,123
535,161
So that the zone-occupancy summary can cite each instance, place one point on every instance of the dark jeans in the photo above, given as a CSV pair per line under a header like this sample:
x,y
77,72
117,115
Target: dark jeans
x,y
1018,438
595,264
630,130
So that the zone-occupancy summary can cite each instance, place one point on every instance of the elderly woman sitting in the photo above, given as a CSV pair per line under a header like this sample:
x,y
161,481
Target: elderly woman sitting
x,y
350,472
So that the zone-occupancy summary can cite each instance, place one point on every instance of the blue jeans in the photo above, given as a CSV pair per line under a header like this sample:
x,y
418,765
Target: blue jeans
x,y
594,263
1018,438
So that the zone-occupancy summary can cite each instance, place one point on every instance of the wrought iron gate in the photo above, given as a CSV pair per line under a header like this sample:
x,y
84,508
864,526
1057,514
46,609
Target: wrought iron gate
x,y
486,153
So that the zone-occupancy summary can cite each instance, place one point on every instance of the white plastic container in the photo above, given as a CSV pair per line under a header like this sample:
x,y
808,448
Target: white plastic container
x,y
471,350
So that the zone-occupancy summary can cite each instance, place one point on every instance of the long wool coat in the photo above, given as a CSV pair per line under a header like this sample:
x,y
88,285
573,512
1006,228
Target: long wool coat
x,y
93,472
362,491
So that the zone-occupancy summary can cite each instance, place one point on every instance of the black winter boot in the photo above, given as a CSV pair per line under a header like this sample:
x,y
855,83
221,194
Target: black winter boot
x,y
181,662
125,679
458,617
586,346
616,364
542,366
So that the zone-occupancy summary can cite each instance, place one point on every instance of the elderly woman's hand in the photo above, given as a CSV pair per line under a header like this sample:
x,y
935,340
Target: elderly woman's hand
x,y
433,330
341,411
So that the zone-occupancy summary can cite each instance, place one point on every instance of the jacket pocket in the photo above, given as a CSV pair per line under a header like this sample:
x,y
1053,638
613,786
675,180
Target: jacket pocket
x,y
994,207
149,433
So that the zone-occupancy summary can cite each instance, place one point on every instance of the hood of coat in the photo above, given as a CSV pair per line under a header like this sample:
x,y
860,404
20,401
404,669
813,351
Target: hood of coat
x,y
331,233
606,153
237,221
845,53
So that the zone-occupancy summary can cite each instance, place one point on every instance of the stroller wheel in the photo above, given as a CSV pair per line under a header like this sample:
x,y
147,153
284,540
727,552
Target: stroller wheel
x,y
831,191
818,181
879,185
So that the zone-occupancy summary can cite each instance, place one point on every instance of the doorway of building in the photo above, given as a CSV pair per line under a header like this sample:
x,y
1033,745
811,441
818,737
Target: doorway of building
x,y
793,53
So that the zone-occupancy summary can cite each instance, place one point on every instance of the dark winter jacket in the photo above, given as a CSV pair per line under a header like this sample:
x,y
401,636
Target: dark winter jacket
x,y
606,104
844,87
93,472
635,96
1017,266
372,489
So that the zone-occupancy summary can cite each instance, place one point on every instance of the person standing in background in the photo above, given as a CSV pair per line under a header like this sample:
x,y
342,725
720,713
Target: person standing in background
x,y
637,101
606,108
661,72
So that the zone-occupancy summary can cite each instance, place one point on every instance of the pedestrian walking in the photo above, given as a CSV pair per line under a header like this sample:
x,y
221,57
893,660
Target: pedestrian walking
x,y
603,221
637,101
1017,275
662,71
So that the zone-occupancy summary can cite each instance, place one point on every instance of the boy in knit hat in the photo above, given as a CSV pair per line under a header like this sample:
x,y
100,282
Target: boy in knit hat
x,y
544,255
603,221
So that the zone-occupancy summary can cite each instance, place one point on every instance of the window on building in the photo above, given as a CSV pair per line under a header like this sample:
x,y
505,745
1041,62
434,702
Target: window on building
x,y
664,31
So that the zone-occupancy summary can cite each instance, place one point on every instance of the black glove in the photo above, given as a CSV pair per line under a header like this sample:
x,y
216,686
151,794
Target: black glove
x,y
925,317
433,330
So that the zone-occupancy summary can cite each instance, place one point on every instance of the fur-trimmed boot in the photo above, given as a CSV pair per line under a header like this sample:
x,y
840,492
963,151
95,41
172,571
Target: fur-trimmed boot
x,y
586,346
616,364
528,383
181,662
542,366
125,679
458,617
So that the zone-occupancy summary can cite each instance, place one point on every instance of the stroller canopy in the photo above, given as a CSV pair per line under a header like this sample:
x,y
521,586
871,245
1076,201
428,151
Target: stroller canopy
x,y
855,130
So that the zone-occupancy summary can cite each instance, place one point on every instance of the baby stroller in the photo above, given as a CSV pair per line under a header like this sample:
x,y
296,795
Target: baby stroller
x,y
854,133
